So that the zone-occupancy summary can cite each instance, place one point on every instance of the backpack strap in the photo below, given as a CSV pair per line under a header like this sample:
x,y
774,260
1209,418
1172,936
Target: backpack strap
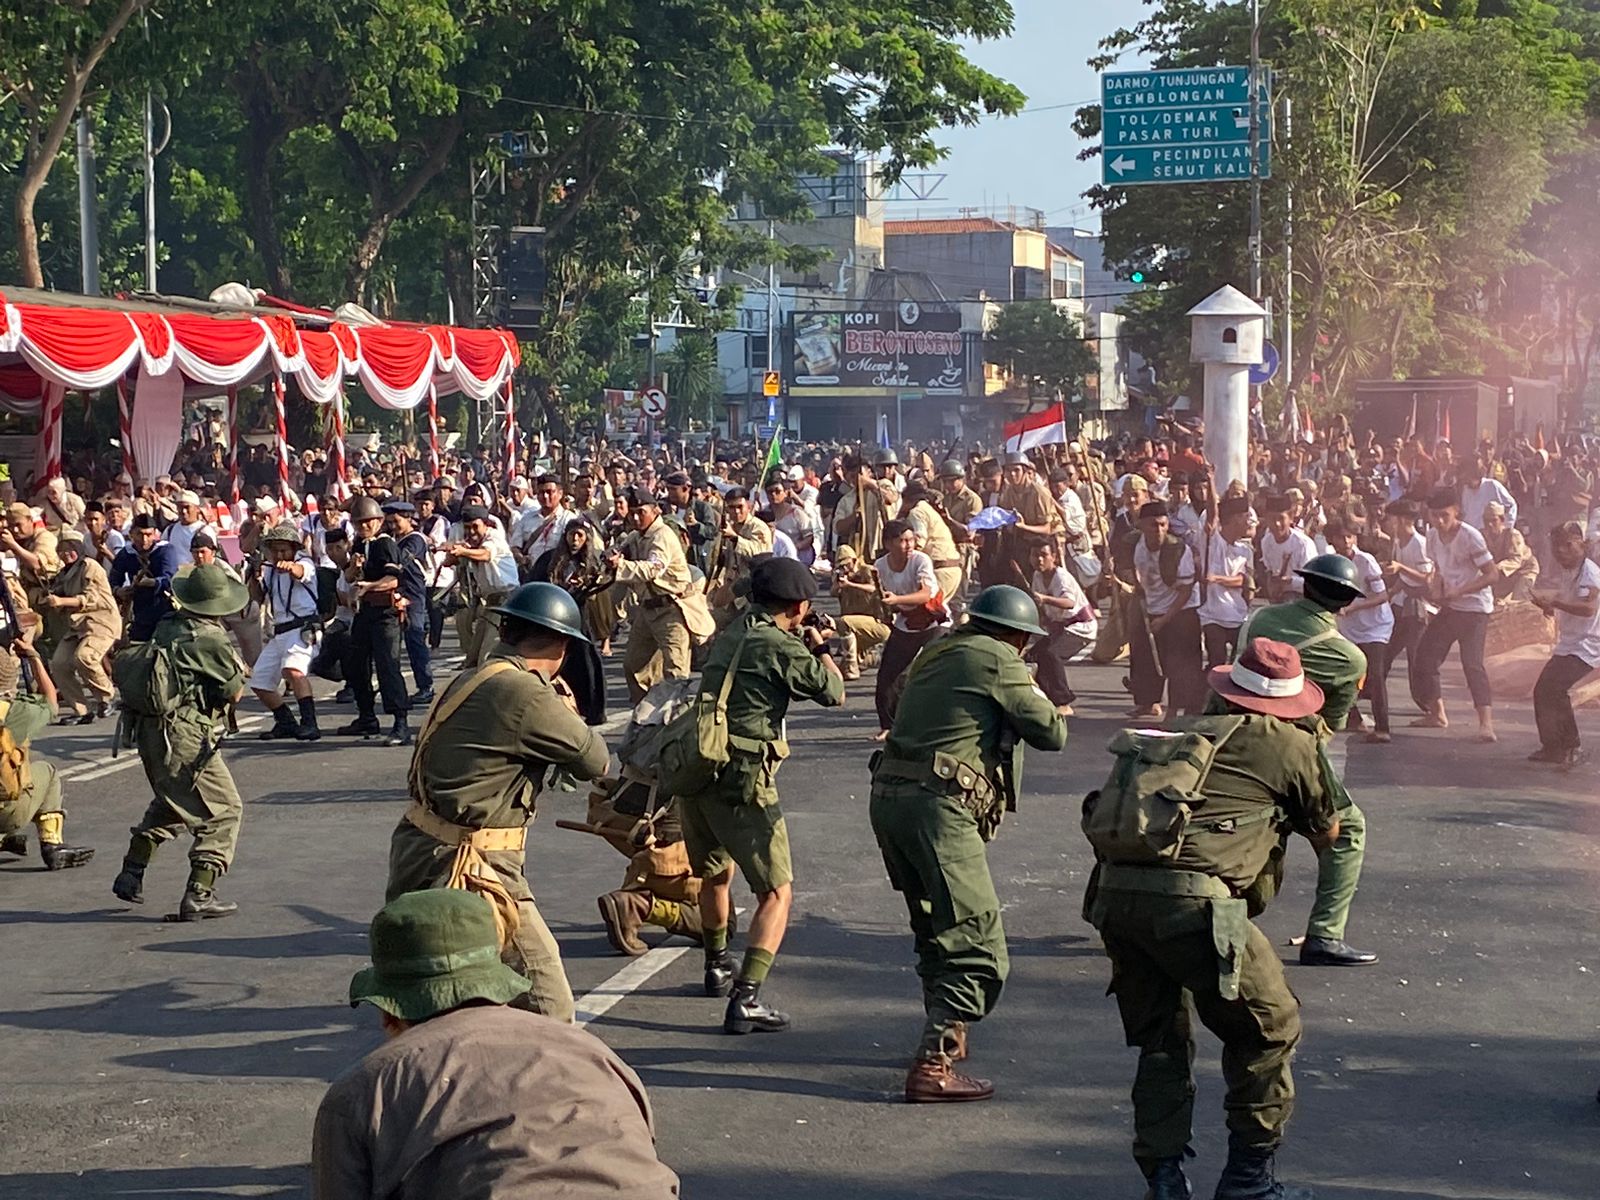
x,y
1232,726
1316,639
443,709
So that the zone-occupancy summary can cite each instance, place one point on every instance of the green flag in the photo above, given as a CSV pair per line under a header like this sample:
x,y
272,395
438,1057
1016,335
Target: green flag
x,y
774,455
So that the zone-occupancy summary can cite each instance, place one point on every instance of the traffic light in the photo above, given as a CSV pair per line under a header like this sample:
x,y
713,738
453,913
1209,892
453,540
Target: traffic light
x,y
1137,277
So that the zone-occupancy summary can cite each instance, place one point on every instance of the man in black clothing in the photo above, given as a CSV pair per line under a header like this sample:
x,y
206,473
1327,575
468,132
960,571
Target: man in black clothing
x,y
374,574
414,593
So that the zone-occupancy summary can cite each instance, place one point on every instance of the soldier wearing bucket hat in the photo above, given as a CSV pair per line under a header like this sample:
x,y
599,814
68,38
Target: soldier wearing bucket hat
x,y
945,776
170,715
469,1096
1175,917
289,586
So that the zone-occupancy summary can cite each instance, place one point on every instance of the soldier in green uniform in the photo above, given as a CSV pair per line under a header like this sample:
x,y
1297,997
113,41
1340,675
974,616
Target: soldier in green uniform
x,y
479,763
945,776
737,820
180,749
1181,924
30,792
1338,667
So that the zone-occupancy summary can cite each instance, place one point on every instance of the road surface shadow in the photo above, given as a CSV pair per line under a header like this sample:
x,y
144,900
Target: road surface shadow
x,y
192,1183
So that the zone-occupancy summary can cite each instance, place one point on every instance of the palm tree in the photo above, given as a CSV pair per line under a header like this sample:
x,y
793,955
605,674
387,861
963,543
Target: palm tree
x,y
692,368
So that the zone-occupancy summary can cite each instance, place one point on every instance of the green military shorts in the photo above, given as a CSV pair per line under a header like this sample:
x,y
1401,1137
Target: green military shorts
x,y
718,831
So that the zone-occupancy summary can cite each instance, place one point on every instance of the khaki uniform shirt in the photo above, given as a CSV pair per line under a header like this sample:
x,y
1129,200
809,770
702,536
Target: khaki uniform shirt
x,y
750,539
868,539
964,505
654,562
933,535
36,582
488,1103
100,615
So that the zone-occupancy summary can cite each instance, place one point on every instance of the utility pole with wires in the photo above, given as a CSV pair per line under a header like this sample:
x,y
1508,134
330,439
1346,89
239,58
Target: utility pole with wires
x,y
1255,150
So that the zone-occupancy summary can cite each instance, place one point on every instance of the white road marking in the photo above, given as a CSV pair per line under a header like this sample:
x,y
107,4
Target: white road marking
x,y
597,1003
614,991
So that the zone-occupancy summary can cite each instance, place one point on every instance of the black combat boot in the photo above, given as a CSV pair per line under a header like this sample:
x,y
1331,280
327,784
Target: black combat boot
x,y
746,1013
719,972
129,883
307,730
14,843
399,733
59,856
201,904
360,727
1249,1176
283,725
1167,1181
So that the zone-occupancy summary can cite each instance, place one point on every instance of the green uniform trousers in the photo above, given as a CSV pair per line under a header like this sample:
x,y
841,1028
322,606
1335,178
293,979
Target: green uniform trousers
x,y
1339,866
417,862
1160,947
193,790
937,861
41,796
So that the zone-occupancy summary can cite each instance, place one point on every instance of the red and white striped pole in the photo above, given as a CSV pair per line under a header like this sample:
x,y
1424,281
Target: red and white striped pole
x,y
233,443
283,439
338,471
434,461
511,437
125,427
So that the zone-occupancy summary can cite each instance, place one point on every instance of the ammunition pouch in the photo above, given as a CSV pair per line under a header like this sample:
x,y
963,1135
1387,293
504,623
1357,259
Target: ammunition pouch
x,y
947,775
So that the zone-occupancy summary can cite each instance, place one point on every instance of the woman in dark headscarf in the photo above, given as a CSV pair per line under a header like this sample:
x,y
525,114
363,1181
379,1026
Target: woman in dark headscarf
x,y
575,564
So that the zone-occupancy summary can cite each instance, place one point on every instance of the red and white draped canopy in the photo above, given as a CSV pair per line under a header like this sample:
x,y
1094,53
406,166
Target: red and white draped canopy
x,y
50,345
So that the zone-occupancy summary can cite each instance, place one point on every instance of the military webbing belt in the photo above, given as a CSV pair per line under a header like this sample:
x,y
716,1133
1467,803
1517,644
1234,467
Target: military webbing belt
x,y
482,840
1163,881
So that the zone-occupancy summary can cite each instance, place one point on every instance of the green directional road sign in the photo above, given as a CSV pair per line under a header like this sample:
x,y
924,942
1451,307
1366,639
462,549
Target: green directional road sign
x,y
1189,126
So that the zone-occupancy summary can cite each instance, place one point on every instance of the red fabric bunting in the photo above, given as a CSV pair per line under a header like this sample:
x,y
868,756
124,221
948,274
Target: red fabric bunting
x,y
217,341
80,339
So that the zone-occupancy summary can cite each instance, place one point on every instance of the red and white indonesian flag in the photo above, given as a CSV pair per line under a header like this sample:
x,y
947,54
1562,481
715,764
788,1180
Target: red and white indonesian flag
x,y
1038,429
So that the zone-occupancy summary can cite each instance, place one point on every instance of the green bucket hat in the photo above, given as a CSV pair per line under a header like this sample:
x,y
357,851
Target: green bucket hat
x,y
209,591
433,951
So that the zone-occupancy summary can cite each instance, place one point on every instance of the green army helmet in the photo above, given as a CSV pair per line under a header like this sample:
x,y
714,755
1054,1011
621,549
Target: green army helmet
x,y
951,468
1336,572
886,458
545,605
365,508
1006,607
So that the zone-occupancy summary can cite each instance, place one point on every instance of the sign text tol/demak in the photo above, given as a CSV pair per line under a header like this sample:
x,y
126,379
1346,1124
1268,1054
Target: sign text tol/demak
x,y
1183,126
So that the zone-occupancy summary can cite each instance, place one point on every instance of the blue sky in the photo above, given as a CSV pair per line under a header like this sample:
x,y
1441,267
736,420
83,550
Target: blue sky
x,y
1031,160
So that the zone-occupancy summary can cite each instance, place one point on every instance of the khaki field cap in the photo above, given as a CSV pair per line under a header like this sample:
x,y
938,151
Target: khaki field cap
x,y
433,951
1268,678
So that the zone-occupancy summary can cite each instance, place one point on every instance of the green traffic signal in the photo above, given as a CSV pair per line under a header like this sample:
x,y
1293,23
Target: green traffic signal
x,y
1137,277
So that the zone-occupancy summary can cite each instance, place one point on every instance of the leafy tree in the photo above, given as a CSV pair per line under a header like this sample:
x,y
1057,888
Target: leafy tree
x,y
695,386
1042,347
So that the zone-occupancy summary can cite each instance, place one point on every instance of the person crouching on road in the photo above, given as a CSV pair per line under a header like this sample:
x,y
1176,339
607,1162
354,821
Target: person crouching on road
x,y
737,820
469,1096
947,773
1180,926
288,582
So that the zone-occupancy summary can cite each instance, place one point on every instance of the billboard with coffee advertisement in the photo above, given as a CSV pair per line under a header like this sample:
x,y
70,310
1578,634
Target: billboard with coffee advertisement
x,y
880,351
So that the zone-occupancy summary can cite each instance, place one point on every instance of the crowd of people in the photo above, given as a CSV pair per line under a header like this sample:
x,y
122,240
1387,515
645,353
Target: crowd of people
x,y
1257,617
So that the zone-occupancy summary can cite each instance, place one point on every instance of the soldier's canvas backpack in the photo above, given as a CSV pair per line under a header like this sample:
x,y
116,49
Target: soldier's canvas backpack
x,y
1140,815
13,763
147,678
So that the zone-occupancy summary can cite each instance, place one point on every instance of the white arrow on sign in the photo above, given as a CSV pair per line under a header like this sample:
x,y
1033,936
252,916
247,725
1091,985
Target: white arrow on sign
x,y
1120,164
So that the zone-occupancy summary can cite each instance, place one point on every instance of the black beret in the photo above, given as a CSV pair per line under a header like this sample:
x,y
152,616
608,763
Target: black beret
x,y
474,512
1155,508
145,521
638,497
203,541
1230,506
404,507
781,581
677,479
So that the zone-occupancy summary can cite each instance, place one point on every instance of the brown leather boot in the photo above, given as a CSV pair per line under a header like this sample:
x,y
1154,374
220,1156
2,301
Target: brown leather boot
x,y
623,913
933,1082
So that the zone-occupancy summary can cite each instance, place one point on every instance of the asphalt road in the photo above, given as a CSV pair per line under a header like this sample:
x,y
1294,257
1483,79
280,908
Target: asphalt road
x,y
150,1059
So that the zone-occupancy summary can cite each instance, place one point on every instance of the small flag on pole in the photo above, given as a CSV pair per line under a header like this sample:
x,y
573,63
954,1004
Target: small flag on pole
x,y
774,455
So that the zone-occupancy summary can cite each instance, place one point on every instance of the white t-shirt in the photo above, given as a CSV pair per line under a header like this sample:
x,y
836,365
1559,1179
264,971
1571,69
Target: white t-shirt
x,y
1226,606
783,545
1459,561
1283,559
1579,636
318,533
287,596
1158,597
1369,626
533,533
182,536
918,574
1477,497
1061,584
497,574
1413,552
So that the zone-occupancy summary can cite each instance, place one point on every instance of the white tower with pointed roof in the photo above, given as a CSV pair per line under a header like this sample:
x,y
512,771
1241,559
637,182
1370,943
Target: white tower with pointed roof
x,y
1227,334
